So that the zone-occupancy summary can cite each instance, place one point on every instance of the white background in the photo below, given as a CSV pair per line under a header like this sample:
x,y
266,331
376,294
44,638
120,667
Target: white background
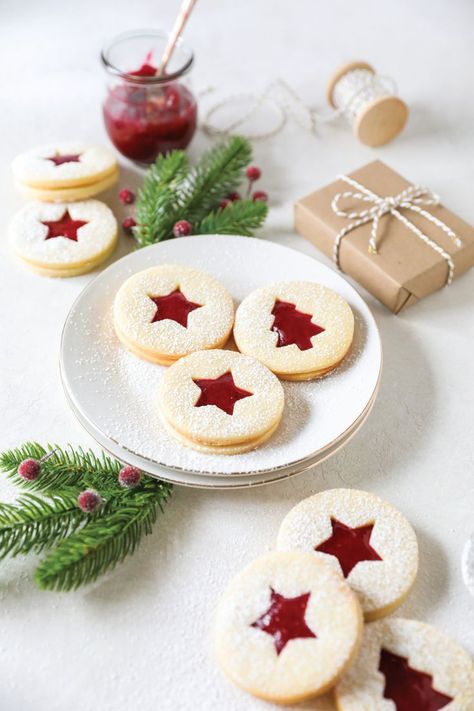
x,y
139,639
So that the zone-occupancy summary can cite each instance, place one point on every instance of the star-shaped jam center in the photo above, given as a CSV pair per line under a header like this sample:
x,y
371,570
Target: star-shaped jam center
x,y
293,326
409,688
349,545
284,620
221,392
64,227
174,306
66,158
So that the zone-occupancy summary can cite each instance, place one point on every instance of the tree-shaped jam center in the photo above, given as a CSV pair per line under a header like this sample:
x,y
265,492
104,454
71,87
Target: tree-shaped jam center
x,y
293,326
349,545
174,306
284,619
64,227
408,688
221,392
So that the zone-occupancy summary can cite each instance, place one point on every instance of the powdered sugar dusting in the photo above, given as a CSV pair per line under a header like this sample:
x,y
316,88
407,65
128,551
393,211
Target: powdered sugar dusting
x,y
117,391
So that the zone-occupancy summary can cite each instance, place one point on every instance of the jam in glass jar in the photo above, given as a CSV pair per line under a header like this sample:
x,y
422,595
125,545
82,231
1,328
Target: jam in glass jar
x,y
147,112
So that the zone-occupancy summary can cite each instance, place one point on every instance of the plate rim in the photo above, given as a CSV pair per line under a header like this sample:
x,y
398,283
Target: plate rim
x,y
301,463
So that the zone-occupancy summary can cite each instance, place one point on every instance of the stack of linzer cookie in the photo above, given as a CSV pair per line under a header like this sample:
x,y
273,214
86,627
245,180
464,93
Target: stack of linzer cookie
x,y
290,626
221,401
61,178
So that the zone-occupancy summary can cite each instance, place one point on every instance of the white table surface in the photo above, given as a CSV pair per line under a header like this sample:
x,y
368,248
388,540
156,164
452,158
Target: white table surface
x,y
139,638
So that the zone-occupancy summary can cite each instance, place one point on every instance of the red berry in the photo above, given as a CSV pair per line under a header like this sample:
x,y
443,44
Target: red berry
x,y
29,469
260,196
223,203
129,477
126,196
128,224
89,501
253,173
234,196
182,228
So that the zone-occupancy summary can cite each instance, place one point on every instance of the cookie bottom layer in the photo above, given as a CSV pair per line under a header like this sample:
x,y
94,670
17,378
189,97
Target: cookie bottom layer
x,y
74,270
72,182
161,358
227,449
70,194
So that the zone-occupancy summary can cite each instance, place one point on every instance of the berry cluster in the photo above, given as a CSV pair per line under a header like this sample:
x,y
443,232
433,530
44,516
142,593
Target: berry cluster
x,y
183,228
88,500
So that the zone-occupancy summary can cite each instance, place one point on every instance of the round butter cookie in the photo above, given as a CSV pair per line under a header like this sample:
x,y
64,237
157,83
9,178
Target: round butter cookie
x,y
63,239
220,402
408,666
82,192
63,165
287,627
300,330
363,538
165,312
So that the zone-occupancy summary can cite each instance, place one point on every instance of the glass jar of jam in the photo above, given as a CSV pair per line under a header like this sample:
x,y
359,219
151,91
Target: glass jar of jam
x,y
148,112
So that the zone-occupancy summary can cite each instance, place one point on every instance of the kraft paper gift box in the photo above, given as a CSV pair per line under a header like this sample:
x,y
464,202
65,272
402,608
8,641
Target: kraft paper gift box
x,y
405,268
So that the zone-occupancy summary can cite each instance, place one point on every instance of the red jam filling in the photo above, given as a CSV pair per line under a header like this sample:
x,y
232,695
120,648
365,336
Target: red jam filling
x,y
144,120
284,619
293,326
66,158
64,227
175,306
221,392
147,69
349,545
408,688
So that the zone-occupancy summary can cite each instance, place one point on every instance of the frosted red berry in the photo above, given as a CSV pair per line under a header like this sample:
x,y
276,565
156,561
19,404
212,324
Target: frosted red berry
x,y
129,477
29,469
126,196
253,173
234,196
182,228
260,196
223,203
128,224
89,501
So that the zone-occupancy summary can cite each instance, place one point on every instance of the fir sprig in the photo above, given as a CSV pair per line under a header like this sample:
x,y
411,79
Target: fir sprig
x,y
173,191
81,546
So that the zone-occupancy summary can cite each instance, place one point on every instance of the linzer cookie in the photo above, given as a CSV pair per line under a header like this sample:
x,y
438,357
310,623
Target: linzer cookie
x,y
363,538
220,402
408,666
64,165
66,239
300,330
166,312
287,627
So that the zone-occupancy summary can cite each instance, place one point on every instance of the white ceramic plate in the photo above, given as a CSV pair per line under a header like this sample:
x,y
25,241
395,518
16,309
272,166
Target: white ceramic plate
x,y
114,393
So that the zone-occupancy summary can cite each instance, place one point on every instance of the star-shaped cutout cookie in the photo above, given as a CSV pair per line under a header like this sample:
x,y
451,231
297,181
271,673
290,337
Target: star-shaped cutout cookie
x,y
284,620
221,392
174,306
409,688
293,326
64,227
349,545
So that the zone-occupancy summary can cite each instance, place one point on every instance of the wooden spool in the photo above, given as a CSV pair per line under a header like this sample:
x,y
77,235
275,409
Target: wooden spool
x,y
381,119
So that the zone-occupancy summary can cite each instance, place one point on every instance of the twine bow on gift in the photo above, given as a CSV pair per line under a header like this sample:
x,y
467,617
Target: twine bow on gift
x,y
412,198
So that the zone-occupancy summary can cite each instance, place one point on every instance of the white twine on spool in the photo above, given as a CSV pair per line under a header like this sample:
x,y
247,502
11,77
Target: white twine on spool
x,y
353,92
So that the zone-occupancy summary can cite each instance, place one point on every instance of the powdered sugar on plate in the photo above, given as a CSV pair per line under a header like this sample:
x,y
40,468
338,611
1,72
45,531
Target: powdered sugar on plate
x,y
116,392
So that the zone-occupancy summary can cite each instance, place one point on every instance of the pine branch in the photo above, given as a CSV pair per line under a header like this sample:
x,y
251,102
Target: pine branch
x,y
158,196
98,547
238,218
218,172
33,524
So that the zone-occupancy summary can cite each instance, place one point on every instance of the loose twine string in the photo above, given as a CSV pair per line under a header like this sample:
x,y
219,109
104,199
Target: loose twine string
x,y
412,198
355,90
